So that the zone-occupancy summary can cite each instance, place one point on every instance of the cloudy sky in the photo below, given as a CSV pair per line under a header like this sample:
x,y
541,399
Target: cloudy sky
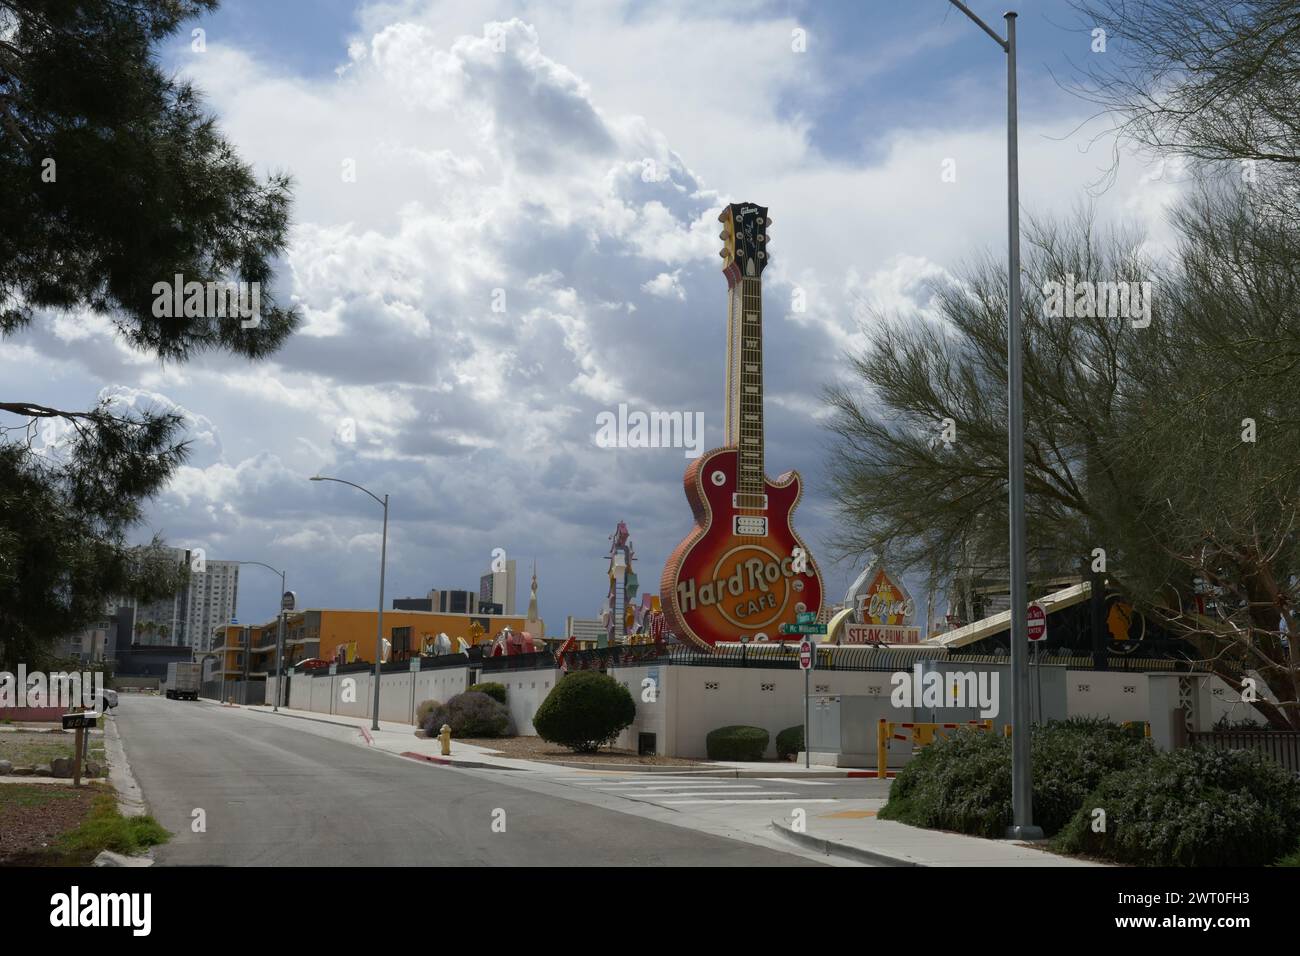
x,y
565,163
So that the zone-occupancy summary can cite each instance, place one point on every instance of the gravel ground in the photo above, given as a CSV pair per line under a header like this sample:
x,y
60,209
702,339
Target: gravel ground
x,y
535,748
32,817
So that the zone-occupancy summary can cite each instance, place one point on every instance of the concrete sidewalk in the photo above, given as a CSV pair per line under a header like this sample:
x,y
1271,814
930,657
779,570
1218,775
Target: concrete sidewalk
x,y
852,830
399,738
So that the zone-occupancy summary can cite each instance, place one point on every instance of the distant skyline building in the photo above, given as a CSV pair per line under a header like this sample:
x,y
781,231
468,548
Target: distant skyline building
x,y
448,602
498,587
453,602
188,617
586,630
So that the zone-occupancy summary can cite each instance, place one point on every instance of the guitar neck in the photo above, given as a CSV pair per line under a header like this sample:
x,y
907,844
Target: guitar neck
x,y
749,379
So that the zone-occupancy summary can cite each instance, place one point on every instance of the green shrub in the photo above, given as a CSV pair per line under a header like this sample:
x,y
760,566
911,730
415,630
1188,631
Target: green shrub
x,y
424,710
494,690
470,714
1192,807
1072,757
736,742
584,711
963,783
789,742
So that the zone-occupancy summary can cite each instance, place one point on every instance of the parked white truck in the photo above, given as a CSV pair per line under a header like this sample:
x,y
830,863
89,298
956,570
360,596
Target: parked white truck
x,y
183,680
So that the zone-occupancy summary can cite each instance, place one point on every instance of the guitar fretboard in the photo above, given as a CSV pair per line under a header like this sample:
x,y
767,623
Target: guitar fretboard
x,y
749,398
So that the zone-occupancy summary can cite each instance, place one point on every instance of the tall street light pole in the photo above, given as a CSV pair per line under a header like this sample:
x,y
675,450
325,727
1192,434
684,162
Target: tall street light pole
x,y
279,640
1022,826
383,562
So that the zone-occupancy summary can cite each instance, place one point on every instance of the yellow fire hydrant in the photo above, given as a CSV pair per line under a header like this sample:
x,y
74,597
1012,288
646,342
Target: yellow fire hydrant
x,y
445,736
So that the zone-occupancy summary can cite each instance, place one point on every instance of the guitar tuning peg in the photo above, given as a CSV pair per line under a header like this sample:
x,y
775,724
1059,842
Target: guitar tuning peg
x,y
722,216
768,222
723,235
723,253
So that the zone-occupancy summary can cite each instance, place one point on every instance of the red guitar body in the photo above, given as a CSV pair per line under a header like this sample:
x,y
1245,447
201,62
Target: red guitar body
x,y
718,585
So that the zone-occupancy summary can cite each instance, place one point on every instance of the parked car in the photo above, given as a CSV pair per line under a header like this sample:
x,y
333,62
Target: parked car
x,y
106,700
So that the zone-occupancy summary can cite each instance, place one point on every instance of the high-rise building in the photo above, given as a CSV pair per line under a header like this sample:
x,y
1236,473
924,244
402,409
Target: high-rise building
x,y
189,616
498,587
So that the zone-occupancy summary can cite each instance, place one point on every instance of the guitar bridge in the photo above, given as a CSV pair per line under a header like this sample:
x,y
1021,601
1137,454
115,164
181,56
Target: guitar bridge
x,y
750,525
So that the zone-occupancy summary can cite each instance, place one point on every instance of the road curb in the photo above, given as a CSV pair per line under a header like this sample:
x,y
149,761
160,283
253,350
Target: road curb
x,y
622,767
456,762
130,798
843,850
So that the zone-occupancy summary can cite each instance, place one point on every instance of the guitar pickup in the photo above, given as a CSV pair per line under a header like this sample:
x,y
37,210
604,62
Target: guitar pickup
x,y
741,500
750,525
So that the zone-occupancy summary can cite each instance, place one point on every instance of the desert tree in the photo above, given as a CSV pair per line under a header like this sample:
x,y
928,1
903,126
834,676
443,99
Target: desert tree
x,y
1209,81
112,179
1169,439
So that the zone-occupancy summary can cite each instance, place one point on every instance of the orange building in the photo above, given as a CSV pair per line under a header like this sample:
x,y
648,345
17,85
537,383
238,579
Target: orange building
x,y
248,651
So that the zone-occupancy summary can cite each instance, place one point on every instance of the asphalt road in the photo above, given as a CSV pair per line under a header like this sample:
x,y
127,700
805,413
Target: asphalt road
x,y
272,795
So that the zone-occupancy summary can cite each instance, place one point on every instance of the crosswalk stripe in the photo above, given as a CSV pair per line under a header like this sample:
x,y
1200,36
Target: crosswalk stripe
x,y
656,783
678,803
804,783
683,786
713,793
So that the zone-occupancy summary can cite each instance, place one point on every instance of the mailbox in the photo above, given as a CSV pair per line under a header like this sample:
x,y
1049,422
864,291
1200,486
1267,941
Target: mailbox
x,y
76,721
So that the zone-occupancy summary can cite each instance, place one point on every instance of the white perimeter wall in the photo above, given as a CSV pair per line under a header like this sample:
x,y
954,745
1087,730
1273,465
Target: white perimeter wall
x,y
681,704
1124,696
525,691
400,694
352,695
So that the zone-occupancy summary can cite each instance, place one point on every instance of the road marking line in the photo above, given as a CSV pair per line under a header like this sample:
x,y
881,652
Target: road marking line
x,y
805,783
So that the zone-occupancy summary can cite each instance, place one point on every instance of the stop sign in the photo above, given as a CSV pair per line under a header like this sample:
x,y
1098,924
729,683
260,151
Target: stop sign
x,y
805,655
1037,620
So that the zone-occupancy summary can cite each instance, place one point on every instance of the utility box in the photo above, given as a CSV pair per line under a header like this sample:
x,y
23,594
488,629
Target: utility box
x,y
842,729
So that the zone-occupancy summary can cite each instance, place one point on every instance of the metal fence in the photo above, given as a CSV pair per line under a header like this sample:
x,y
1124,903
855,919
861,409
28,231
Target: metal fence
x,y
517,662
861,657
1282,745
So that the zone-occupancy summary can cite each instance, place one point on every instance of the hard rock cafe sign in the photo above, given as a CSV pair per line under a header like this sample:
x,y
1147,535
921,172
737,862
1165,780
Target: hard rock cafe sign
x,y
883,611
742,571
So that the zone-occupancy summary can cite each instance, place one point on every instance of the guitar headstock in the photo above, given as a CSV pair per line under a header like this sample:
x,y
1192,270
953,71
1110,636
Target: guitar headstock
x,y
744,240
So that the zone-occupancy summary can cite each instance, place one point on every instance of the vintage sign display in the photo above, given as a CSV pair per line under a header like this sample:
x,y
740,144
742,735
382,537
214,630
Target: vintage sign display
x,y
883,611
742,569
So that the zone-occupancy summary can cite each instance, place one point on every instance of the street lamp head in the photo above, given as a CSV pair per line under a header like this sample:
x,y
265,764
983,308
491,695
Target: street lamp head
x,y
316,478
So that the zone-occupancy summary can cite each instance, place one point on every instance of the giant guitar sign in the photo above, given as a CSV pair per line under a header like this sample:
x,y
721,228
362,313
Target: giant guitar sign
x,y
742,571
